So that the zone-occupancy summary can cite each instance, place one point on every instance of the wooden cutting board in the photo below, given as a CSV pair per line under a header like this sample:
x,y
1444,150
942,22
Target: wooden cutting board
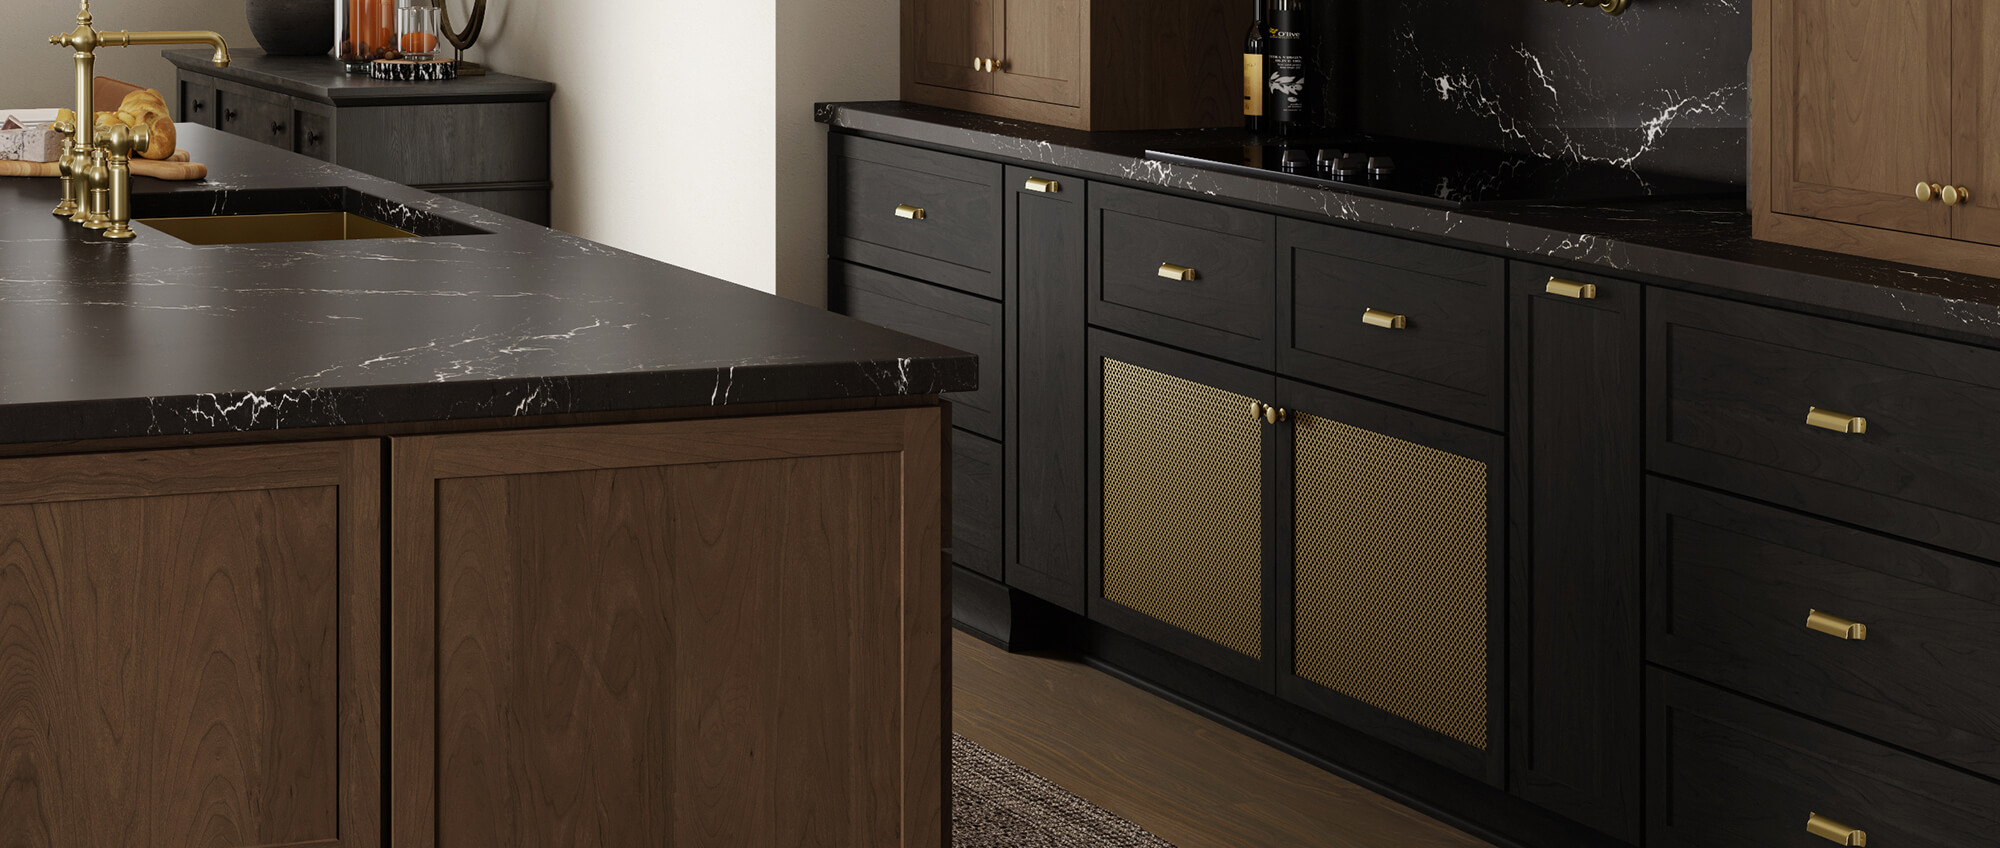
x,y
175,167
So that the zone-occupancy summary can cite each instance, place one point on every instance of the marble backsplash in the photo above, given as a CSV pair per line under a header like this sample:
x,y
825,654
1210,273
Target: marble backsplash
x,y
1662,88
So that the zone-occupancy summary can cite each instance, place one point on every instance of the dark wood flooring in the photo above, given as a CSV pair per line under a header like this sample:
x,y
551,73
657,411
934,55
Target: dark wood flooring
x,y
1186,778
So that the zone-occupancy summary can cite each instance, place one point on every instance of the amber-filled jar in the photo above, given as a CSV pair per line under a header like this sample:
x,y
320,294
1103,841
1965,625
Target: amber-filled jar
x,y
371,30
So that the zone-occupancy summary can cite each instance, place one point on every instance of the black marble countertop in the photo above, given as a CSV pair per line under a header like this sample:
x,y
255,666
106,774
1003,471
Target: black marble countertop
x,y
324,79
102,339
1698,245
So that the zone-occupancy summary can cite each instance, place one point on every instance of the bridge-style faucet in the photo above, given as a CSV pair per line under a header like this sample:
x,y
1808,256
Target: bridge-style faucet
x,y
94,169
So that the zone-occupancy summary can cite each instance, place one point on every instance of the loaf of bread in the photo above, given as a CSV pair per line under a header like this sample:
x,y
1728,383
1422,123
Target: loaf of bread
x,y
143,108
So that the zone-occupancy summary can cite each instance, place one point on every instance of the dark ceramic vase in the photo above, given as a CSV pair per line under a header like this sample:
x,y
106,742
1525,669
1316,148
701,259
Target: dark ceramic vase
x,y
291,27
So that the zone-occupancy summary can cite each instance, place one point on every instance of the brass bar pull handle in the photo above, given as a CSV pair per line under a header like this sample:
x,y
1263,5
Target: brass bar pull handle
x,y
1177,272
1835,832
1572,288
1385,320
914,213
1043,186
1833,625
1839,422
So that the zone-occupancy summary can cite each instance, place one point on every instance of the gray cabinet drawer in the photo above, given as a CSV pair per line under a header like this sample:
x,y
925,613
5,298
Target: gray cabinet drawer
x,y
1731,387
928,215
447,143
1444,350
255,115
315,136
936,314
197,102
1220,305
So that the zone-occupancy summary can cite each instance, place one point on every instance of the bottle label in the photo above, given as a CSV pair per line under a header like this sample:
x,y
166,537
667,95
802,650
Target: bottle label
x,y
1253,84
1285,69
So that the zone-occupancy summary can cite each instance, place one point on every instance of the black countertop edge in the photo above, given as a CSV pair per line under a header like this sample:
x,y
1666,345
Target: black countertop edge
x,y
1700,245
488,317
323,79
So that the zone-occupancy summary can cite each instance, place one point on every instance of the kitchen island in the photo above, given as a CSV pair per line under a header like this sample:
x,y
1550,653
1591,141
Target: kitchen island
x,y
491,536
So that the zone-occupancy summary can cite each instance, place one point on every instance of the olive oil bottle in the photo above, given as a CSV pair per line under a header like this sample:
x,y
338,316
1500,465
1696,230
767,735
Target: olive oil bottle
x,y
1253,71
1285,67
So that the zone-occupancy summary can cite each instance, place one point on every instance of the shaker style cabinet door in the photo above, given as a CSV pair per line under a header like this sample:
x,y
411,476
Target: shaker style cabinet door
x,y
190,648
950,42
1038,50
1861,111
1975,58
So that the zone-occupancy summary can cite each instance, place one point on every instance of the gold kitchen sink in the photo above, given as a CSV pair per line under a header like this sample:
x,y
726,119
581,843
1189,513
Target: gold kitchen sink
x,y
264,229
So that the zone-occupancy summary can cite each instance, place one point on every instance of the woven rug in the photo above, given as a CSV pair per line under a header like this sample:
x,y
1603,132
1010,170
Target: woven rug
x,y
997,804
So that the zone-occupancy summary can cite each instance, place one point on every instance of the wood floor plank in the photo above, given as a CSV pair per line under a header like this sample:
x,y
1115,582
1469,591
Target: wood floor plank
x,y
1183,777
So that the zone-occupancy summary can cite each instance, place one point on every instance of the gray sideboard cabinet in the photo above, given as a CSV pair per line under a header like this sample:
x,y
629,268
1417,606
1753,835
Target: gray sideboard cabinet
x,y
483,140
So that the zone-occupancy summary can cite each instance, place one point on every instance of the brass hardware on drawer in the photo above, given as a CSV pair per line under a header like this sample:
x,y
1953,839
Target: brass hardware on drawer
x,y
1827,419
1927,192
1044,186
1833,625
1955,195
1385,320
1177,272
1835,832
1572,288
914,213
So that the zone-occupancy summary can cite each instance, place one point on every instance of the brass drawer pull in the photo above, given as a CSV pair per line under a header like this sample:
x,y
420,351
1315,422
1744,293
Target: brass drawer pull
x,y
1044,186
914,213
1385,320
1839,422
1265,412
1835,832
1572,288
1833,625
1177,272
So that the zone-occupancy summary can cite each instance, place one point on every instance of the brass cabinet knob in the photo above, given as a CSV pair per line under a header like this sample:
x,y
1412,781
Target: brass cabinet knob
x,y
1256,411
981,63
1571,288
1044,186
1385,320
1835,832
1927,192
1273,415
1839,422
914,213
1955,195
1177,272
1833,625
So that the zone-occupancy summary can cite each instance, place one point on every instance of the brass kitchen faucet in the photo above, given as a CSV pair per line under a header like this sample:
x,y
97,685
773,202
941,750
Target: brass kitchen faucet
x,y
97,173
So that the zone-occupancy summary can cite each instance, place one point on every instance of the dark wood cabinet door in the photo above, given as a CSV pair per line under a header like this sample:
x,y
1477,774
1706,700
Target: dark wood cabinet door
x,y
197,100
1862,111
1047,388
1575,619
190,648
1038,50
716,632
944,39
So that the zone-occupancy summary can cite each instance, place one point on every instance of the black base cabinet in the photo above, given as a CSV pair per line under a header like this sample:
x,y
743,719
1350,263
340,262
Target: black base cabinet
x,y
1567,560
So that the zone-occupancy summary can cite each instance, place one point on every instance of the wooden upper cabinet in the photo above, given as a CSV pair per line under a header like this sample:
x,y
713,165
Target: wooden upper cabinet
x,y
943,38
1038,51
1976,119
1863,110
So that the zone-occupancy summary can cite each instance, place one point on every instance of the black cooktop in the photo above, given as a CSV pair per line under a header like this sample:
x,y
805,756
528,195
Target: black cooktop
x,y
1440,174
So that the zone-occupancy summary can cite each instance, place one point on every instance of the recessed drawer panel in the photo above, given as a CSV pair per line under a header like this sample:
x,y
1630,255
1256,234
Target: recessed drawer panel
x,y
935,314
1185,272
1388,318
255,115
1896,641
977,480
1727,772
197,102
928,215
1882,429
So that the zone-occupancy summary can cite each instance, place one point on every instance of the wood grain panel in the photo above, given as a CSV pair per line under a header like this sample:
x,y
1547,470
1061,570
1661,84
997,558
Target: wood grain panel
x,y
1863,114
1224,311
1039,48
423,145
191,667
1975,118
699,633
937,314
942,37
956,244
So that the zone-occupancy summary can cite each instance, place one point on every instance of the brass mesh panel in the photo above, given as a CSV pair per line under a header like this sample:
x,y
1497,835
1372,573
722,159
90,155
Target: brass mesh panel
x,y
1183,505
1391,575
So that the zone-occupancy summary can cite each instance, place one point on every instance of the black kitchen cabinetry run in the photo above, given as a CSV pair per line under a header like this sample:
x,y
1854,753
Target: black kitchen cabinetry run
x,y
1566,559
483,140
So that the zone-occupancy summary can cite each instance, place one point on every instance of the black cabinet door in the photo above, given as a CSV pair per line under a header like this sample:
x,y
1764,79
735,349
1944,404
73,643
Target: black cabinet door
x,y
1047,387
1576,622
1390,592
1180,495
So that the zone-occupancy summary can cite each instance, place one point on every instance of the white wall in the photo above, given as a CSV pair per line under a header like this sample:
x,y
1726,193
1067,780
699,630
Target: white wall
x,y
689,136
37,74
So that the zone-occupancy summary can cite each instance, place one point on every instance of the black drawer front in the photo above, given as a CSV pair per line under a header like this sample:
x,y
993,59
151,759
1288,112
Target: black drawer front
x,y
255,116
935,314
315,136
1444,349
1730,387
879,189
1727,772
197,104
1734,583
1137,238
977,478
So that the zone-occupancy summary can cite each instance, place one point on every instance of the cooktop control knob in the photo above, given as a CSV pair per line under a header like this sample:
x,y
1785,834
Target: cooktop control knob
x,y
1380,166
1296,159
1327,157
1350,166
